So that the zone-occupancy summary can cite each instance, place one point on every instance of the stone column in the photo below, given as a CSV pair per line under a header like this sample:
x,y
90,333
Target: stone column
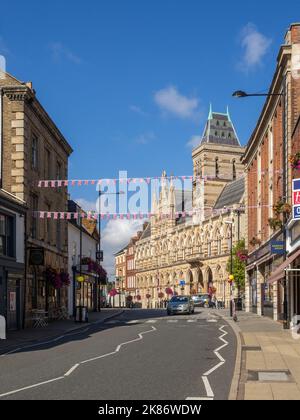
x,y
247,292
275,301
260,281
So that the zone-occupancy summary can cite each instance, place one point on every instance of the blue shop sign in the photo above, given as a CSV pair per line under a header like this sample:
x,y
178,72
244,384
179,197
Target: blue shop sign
x,y
277,247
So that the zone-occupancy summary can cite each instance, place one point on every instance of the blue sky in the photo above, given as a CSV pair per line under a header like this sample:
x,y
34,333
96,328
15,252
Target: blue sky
x,y
129,82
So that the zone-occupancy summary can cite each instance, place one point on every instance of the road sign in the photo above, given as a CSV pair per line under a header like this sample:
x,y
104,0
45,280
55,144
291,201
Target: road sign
x,y
182,283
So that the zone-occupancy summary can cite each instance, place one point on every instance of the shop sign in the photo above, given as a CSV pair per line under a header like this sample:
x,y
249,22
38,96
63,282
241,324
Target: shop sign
x,y
296,199
277,247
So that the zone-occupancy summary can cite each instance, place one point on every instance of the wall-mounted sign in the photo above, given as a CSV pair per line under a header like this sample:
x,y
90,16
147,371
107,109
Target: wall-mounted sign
x,y
182,283
12,301
36,256
296,199
99,255
277,247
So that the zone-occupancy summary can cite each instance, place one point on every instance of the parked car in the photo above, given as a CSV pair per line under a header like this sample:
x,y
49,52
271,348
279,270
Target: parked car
x,y
180,305
202,300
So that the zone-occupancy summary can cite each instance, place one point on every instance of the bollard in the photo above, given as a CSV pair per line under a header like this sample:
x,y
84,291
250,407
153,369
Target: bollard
x,y
2,328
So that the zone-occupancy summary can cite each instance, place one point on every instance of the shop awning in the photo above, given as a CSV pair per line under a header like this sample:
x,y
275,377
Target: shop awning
x,y
279,273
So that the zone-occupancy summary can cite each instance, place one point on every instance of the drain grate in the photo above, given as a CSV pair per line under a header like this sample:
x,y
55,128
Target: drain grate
x,y
270,376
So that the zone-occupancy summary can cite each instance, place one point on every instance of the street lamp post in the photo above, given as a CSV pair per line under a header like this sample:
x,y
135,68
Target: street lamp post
x,y
242,94
232,306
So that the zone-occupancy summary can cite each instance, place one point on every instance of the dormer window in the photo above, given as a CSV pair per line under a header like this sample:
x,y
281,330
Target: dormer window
x,y
223,134
218,123
229,135
216,133
225,124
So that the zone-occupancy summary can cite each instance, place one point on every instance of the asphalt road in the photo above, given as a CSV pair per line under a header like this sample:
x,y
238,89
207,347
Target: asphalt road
x,y
140,355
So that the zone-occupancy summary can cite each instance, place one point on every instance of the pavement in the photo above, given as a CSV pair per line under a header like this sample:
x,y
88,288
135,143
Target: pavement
x,y
134,355
53,329
268,359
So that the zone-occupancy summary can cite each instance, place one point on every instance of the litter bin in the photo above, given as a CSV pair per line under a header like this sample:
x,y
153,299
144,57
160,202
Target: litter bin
x,y
82,314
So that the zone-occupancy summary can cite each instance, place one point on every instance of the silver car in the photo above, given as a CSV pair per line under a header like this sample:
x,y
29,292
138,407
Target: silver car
x,y
180,305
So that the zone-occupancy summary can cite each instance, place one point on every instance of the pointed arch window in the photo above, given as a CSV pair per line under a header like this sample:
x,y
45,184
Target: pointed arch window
x,y
217,167
233,170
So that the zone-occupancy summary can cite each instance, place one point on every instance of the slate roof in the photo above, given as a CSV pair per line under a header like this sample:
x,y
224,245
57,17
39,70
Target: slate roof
x,y
146,233
231,194
219,129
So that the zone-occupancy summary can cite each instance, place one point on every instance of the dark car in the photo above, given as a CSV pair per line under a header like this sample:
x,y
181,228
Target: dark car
x,y
202,300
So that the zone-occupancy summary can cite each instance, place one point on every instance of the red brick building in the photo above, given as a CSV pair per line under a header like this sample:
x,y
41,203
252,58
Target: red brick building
x,y
269,180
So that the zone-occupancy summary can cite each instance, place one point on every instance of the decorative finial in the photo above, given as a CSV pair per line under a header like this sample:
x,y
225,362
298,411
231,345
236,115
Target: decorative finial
x,y
210,112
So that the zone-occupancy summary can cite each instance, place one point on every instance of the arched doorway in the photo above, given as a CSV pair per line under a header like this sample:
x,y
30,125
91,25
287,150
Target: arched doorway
x,y
209,280
199,282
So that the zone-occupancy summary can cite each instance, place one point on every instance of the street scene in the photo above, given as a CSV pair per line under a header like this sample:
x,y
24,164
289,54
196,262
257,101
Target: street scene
x,y
149,203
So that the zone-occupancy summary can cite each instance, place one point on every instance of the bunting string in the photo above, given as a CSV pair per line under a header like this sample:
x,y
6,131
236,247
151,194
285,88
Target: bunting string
x,y
55,215
58,183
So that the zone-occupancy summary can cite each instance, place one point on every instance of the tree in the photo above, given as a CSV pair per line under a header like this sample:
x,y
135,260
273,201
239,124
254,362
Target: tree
x,y
239,264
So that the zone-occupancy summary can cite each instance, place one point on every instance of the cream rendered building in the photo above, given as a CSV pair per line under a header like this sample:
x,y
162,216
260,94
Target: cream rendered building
x,y
195,248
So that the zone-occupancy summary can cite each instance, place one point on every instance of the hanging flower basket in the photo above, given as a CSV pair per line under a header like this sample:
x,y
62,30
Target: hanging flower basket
x,y
161,295
148,296
282,207
113,292
255,241
295,161
138,297
169,291
242,255
129,298
275,223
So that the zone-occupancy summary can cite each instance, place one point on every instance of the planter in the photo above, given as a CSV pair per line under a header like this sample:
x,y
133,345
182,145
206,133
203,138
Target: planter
x,y
275,223
295,161
255,241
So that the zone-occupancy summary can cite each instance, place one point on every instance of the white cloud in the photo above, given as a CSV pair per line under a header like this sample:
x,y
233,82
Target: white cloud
x,y
255,46
194,142
115,236
170,101
145,138
60,51
138,110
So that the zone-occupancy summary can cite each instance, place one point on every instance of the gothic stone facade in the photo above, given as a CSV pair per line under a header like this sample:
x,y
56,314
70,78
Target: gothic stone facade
x,y
195,249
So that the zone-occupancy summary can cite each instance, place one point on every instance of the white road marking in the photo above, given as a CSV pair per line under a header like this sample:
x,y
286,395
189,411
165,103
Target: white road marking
x,y
133,322
209,391
30,387
72,370
198,399
151,321
211,320
191,320
172,321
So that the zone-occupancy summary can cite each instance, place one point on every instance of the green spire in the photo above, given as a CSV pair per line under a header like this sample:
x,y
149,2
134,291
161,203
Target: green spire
x,y
210,112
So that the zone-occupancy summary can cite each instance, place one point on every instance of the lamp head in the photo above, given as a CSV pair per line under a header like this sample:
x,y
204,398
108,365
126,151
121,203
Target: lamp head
x,y
239,94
